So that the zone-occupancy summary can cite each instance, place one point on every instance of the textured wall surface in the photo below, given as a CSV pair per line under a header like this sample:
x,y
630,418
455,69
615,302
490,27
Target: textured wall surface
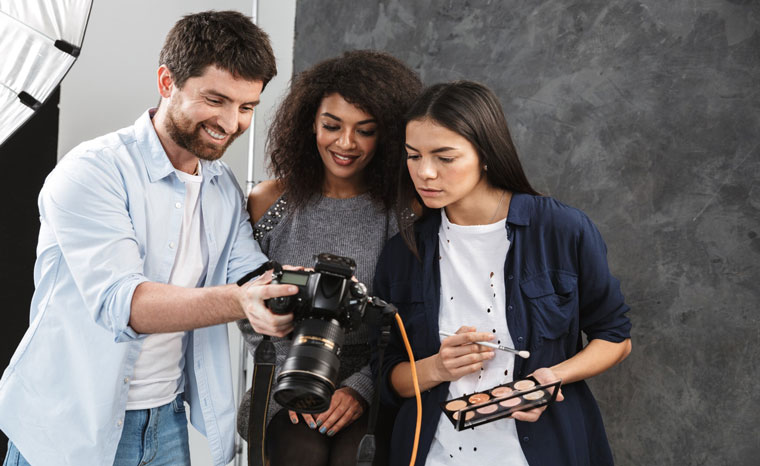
x,y
646,115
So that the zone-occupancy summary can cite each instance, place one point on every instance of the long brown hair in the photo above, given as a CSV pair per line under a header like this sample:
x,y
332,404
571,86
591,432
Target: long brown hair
x,y
472,111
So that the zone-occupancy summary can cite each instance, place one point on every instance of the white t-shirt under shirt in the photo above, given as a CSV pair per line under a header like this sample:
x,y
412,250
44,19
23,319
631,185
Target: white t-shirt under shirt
x,y
158,375
473,294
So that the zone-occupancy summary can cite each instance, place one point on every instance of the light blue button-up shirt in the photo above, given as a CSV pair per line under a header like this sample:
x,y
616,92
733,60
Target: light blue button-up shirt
x,y
110,221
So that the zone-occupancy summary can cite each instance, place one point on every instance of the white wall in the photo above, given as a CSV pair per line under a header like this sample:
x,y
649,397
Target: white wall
x,y
114,81
277,18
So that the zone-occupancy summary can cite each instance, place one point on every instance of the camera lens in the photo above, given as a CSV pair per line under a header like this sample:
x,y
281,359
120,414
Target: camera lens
x,y
309,375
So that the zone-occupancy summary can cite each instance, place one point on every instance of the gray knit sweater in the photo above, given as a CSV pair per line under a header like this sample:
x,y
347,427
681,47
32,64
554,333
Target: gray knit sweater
x,y
357,228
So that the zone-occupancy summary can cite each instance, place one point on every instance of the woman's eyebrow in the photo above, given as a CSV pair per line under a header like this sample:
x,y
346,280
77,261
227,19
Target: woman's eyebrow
x,y
434,151
363,122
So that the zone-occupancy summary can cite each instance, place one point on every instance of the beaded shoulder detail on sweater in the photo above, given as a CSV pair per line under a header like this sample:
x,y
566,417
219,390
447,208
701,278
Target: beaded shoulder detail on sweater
x,y
270,219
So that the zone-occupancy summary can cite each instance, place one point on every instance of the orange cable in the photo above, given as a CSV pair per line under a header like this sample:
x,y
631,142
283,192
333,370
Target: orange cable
x,y
416,384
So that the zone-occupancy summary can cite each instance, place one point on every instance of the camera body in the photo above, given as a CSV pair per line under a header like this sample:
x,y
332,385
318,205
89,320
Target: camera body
x,y
328,303
327,293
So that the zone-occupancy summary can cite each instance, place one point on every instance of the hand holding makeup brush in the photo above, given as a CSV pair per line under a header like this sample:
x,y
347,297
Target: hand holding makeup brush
x,y
460,355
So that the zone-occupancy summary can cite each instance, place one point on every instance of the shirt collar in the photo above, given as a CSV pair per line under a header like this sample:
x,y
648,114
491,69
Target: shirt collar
x,y
520,209
156,160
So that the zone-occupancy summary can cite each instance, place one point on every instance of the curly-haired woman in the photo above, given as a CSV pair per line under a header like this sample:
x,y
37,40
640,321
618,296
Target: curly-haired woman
x,y
335,149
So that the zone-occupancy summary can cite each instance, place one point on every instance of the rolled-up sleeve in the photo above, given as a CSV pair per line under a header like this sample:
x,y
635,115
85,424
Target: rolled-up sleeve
x,y
84,205
602,307
362,382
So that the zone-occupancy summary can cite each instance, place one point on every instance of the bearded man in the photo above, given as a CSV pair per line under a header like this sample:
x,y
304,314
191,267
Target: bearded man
x,y
143,233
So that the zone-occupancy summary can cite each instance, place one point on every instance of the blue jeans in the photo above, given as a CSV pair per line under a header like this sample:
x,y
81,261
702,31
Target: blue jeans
x,y
155,437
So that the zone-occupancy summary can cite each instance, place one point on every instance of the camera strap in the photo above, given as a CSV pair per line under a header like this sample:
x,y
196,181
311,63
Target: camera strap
x,y
365,455
264,359
261,269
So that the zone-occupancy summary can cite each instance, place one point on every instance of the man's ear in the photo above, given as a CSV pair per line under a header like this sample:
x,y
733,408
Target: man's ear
x,y
165,82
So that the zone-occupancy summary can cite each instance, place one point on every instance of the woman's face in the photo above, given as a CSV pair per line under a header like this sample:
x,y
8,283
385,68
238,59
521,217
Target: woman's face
x,y
346,139
444,166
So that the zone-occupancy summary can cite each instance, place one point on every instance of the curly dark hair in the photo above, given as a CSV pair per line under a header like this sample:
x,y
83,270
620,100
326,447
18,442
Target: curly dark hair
x,y
377,83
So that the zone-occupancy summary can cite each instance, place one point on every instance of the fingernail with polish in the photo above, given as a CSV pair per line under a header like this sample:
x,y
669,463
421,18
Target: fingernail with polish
x,y
322,430
312,425
319,423
331,433
294,420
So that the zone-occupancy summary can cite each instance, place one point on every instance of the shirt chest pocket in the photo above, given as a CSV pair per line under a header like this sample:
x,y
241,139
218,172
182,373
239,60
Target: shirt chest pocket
x,y
551,300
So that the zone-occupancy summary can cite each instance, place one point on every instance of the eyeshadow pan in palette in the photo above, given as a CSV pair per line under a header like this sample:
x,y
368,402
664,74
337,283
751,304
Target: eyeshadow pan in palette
x,y
498,402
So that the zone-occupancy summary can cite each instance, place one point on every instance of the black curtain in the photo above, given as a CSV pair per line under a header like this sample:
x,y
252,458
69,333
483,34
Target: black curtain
x,y
26,159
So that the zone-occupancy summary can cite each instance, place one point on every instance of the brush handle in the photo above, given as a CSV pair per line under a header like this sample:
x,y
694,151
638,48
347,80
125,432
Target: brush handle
x,y
523,354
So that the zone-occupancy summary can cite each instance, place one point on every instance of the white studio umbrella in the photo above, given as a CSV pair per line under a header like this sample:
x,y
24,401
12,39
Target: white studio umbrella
x,y
39,42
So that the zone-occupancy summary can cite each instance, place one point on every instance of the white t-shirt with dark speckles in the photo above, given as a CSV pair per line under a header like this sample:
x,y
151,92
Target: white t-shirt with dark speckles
x,y
473,294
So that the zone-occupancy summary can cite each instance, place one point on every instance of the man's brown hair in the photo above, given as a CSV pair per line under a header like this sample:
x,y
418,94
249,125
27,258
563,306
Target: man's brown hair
x,y
226,39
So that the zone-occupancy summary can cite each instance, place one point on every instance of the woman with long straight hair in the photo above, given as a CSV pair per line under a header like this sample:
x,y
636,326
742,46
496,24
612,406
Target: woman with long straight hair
x,y
491,260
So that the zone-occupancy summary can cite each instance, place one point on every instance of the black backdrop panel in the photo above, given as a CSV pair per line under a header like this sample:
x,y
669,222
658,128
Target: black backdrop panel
x,y
26,158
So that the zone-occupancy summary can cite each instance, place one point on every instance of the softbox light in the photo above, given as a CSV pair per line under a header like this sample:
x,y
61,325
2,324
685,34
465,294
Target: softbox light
x,y
39,42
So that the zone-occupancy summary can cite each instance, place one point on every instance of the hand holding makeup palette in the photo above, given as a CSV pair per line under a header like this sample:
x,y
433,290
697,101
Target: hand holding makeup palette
x,y
499,402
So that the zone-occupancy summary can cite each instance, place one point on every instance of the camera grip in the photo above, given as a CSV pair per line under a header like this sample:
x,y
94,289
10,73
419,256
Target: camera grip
x,y
280,305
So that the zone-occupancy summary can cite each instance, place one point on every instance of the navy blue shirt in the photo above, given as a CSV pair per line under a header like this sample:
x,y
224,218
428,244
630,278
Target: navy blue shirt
x,y
558,284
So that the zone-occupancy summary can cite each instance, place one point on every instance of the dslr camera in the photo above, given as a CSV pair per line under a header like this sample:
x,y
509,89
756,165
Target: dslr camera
x,y
328,304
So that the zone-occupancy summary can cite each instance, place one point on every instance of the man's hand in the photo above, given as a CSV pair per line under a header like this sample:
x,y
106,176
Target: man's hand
x,y
262,319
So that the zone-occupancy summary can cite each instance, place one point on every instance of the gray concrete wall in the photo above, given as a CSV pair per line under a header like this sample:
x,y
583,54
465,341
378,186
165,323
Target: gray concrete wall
x,y
644,114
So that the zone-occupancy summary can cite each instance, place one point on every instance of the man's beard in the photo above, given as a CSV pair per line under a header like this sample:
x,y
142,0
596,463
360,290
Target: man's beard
x,y
188,136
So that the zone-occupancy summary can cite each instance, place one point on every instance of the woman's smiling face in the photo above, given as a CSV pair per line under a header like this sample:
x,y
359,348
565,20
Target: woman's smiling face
x,y
346,139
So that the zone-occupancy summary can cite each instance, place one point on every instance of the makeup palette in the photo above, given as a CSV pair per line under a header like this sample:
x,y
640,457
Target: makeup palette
x,y
498,402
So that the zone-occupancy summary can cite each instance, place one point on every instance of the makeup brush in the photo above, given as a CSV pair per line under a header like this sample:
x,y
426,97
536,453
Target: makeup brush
x,y
522,353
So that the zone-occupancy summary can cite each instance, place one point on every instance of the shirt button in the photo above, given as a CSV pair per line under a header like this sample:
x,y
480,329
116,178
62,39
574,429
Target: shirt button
x,y
126,379
178,205
119,423
509,307
171,244
519,338
509,277
525,439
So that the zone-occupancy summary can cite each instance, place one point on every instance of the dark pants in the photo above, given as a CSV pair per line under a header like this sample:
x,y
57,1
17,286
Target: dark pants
x,y
290,444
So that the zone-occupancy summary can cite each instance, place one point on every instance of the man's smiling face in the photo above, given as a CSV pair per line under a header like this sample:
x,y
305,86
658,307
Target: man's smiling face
x,y
209,111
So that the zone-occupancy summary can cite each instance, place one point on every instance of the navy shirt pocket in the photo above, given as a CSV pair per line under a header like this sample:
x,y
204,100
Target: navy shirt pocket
x,y
552,304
